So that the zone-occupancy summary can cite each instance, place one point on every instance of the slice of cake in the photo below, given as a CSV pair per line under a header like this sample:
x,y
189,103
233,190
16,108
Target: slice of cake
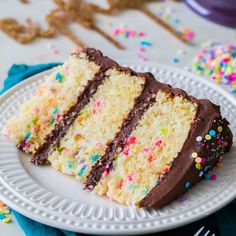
x,y
46,112
122,133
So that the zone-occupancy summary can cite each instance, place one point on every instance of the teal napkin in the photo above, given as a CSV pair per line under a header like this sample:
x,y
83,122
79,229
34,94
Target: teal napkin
x,y
222,223
33,228
17,73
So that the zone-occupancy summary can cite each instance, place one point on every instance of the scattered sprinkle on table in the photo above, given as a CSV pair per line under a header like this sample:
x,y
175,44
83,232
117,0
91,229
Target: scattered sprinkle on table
x,y
187,33
168,14
127,33
175,60
4,213
146,43
217,61
55,50
124,32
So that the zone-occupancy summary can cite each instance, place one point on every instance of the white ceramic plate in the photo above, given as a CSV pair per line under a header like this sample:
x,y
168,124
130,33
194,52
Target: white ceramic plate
x,y
52,198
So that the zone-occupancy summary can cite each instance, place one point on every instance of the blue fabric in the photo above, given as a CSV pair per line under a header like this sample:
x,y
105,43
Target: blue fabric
x,y
17,73
33,228
221,223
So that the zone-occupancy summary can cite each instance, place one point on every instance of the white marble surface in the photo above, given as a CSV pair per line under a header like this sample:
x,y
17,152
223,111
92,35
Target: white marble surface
x,y
164,48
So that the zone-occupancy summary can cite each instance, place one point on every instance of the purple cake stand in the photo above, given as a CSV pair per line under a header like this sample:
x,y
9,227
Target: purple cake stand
x,y
219,11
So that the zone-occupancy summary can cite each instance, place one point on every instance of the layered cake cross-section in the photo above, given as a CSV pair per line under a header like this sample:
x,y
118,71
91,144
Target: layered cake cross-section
x,y
122,133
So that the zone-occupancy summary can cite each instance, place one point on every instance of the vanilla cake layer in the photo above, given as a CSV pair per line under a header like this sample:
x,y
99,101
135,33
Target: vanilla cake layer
x,y
97,124
149,150
39,115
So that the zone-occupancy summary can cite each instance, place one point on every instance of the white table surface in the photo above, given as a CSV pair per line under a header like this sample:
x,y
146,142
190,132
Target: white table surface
x,y
165,47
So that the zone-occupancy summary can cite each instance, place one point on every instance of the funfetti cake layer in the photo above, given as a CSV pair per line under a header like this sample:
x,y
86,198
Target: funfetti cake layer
x,y
122,133
97,124
53,99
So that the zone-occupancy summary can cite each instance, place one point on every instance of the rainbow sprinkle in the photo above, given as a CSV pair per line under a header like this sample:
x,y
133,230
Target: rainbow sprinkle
x,y
127,33
131,140
28,135
126,152
146,43
146,191
120,183
60,149
175,60
94,158
187,34
217,61
82,170
59,77
213,136
52,121
209,176
55,111
4,212
159,142
182,198
35,120
168,14
187,184
70,164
